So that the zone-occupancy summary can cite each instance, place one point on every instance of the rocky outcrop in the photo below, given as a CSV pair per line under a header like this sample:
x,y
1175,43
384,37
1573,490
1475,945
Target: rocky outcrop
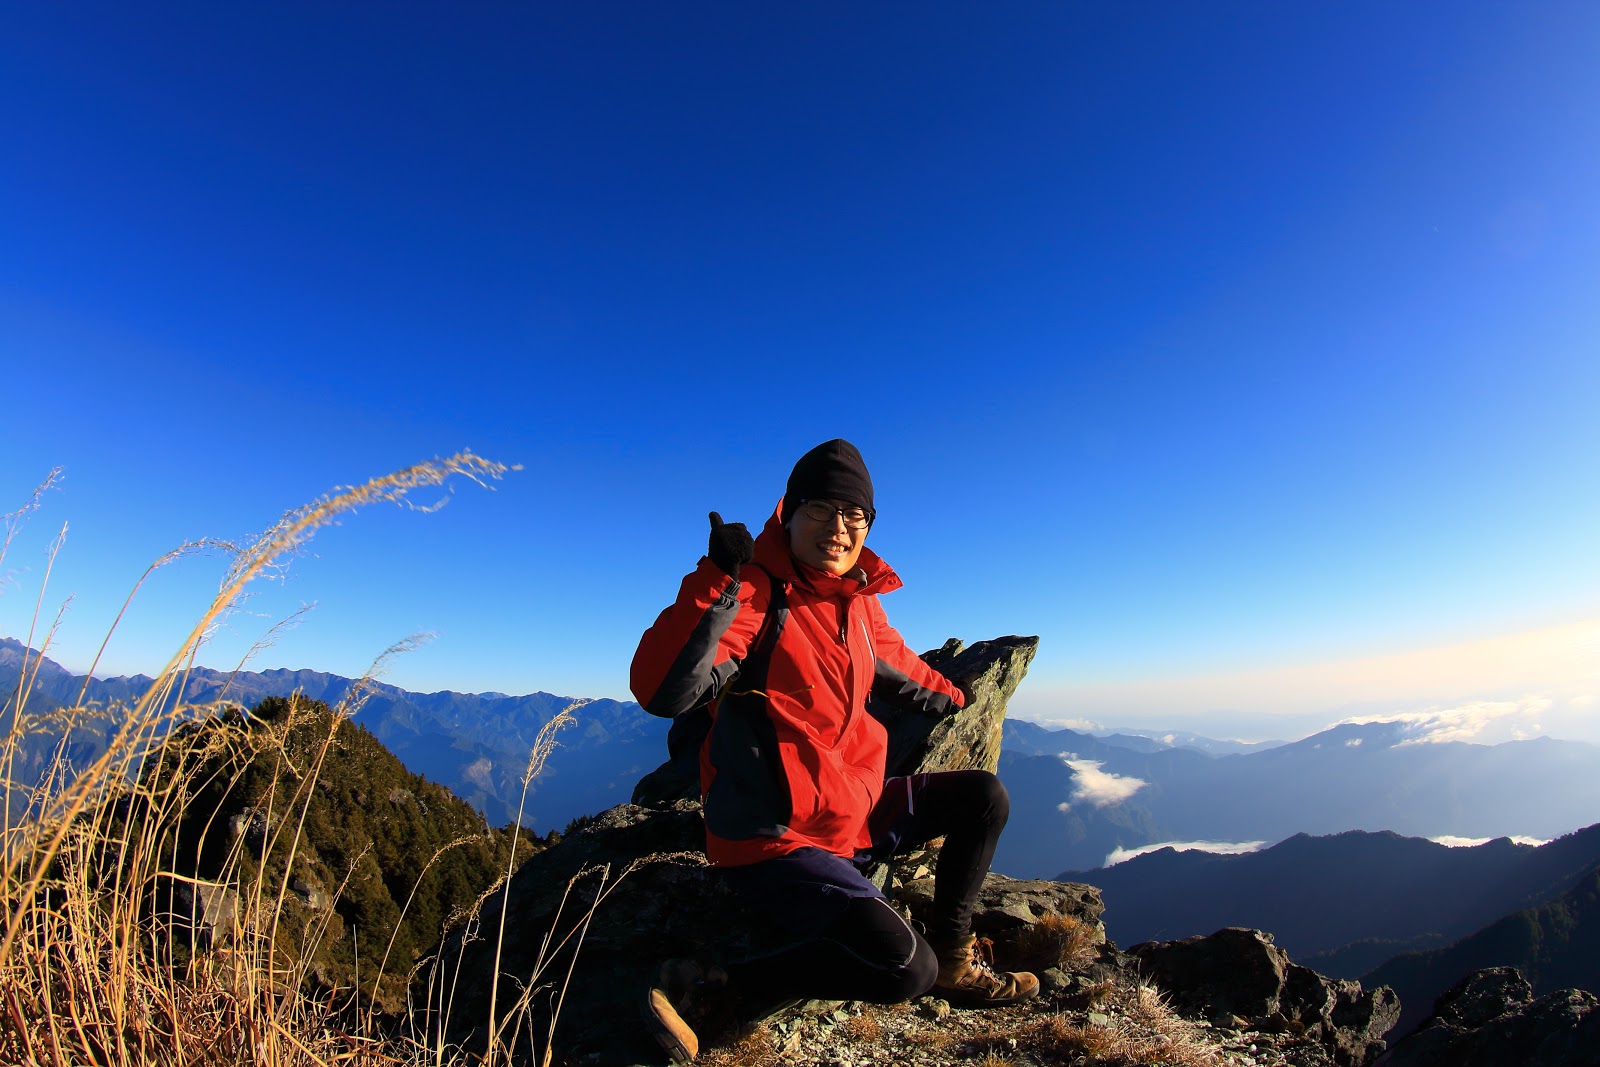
x,y
577,933
1009,907
1240,976
1491,1018
990,671
631,887
193,912
604,906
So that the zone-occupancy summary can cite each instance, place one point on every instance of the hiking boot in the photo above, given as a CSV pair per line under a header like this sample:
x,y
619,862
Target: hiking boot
x,y
967,976
677,1001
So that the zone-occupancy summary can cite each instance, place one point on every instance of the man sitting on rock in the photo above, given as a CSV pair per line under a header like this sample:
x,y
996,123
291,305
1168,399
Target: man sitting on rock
x,y
784,638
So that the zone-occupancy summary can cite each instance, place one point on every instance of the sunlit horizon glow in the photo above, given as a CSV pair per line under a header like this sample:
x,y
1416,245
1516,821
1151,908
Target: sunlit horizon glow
x,y
1511,687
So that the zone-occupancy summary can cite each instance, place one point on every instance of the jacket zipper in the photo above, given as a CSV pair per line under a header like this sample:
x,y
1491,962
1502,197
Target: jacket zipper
x,y
850,669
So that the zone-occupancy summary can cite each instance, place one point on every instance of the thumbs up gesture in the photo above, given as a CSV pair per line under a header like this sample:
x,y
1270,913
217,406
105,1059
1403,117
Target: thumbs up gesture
x,y
730,546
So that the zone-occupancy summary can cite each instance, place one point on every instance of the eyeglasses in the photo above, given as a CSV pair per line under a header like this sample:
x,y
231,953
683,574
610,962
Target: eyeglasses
x,y
822,511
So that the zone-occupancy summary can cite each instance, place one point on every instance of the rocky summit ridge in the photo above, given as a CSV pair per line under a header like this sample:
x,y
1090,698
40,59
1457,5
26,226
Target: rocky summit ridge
x,y
585,923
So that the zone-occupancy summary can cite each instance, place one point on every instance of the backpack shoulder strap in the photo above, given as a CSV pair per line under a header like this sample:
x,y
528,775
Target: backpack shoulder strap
x,y
689,729
766,638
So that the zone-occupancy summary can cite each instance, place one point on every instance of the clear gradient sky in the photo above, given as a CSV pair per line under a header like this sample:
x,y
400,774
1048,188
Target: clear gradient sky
x,y
1247,353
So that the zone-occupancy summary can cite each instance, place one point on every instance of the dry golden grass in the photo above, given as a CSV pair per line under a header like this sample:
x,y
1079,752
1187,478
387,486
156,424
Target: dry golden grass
x,y
1142,1032
931,1039
758,1046
1056,941
1097,995
989,1039
864,1027
88,972
1138,1030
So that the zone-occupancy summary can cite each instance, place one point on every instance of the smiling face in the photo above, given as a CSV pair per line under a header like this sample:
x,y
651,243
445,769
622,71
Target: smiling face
x,y
828,545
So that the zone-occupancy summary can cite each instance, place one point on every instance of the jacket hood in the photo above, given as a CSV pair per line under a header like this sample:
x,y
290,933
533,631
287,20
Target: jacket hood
x,y
772,555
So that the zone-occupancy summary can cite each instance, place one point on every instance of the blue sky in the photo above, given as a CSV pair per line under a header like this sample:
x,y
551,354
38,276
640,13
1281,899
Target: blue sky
x,y
1226,347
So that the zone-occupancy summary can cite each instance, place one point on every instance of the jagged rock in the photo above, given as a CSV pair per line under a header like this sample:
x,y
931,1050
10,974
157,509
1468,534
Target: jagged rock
x,y
193,912
1491,1018
1232,972
313,896
642,874
664,785
249,824
990,671
1241,973
1010,910
1054,980
1482,997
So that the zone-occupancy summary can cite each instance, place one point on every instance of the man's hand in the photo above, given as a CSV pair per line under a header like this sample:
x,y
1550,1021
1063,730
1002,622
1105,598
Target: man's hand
x,y
730,546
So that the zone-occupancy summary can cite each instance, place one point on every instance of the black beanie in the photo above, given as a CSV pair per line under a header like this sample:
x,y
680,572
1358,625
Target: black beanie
x,y
834,470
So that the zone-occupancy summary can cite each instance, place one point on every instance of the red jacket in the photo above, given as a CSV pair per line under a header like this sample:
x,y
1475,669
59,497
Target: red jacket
x,y
793,758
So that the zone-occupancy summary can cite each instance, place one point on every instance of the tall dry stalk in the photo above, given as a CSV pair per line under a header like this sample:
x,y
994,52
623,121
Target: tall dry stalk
x,y
543,745
443,976
86,976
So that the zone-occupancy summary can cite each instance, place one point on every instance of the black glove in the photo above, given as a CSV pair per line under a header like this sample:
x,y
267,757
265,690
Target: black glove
x,y
730,545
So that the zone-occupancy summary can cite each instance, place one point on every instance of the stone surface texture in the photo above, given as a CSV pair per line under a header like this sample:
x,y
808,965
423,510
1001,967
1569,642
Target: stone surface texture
x,y
990,671
1491,1018
1240,974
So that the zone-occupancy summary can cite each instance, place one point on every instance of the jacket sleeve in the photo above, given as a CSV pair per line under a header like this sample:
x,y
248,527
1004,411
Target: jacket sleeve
x,y
697,644
901,679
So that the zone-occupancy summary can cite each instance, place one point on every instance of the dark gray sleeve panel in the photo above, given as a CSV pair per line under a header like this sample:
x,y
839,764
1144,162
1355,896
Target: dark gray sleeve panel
x,y
895,688
695,676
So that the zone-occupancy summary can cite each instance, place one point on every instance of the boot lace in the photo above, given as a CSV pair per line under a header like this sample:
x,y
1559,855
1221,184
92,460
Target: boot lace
x,y
981,962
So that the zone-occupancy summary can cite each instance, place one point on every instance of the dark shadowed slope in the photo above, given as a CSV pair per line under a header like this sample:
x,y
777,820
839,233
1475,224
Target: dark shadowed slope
x,y
1554,946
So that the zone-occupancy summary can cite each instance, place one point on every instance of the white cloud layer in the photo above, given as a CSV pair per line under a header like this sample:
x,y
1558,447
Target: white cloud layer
x,y
1221,848
1474,842
1083,726
1099,788
1482,720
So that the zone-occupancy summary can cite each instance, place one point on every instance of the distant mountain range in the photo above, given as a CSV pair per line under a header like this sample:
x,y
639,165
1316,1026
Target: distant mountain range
x,y
1032,739
476,744
1389,910
1341,904
1077,798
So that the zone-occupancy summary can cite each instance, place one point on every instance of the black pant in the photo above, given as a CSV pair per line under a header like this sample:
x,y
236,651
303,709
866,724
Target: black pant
x,y
863,949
